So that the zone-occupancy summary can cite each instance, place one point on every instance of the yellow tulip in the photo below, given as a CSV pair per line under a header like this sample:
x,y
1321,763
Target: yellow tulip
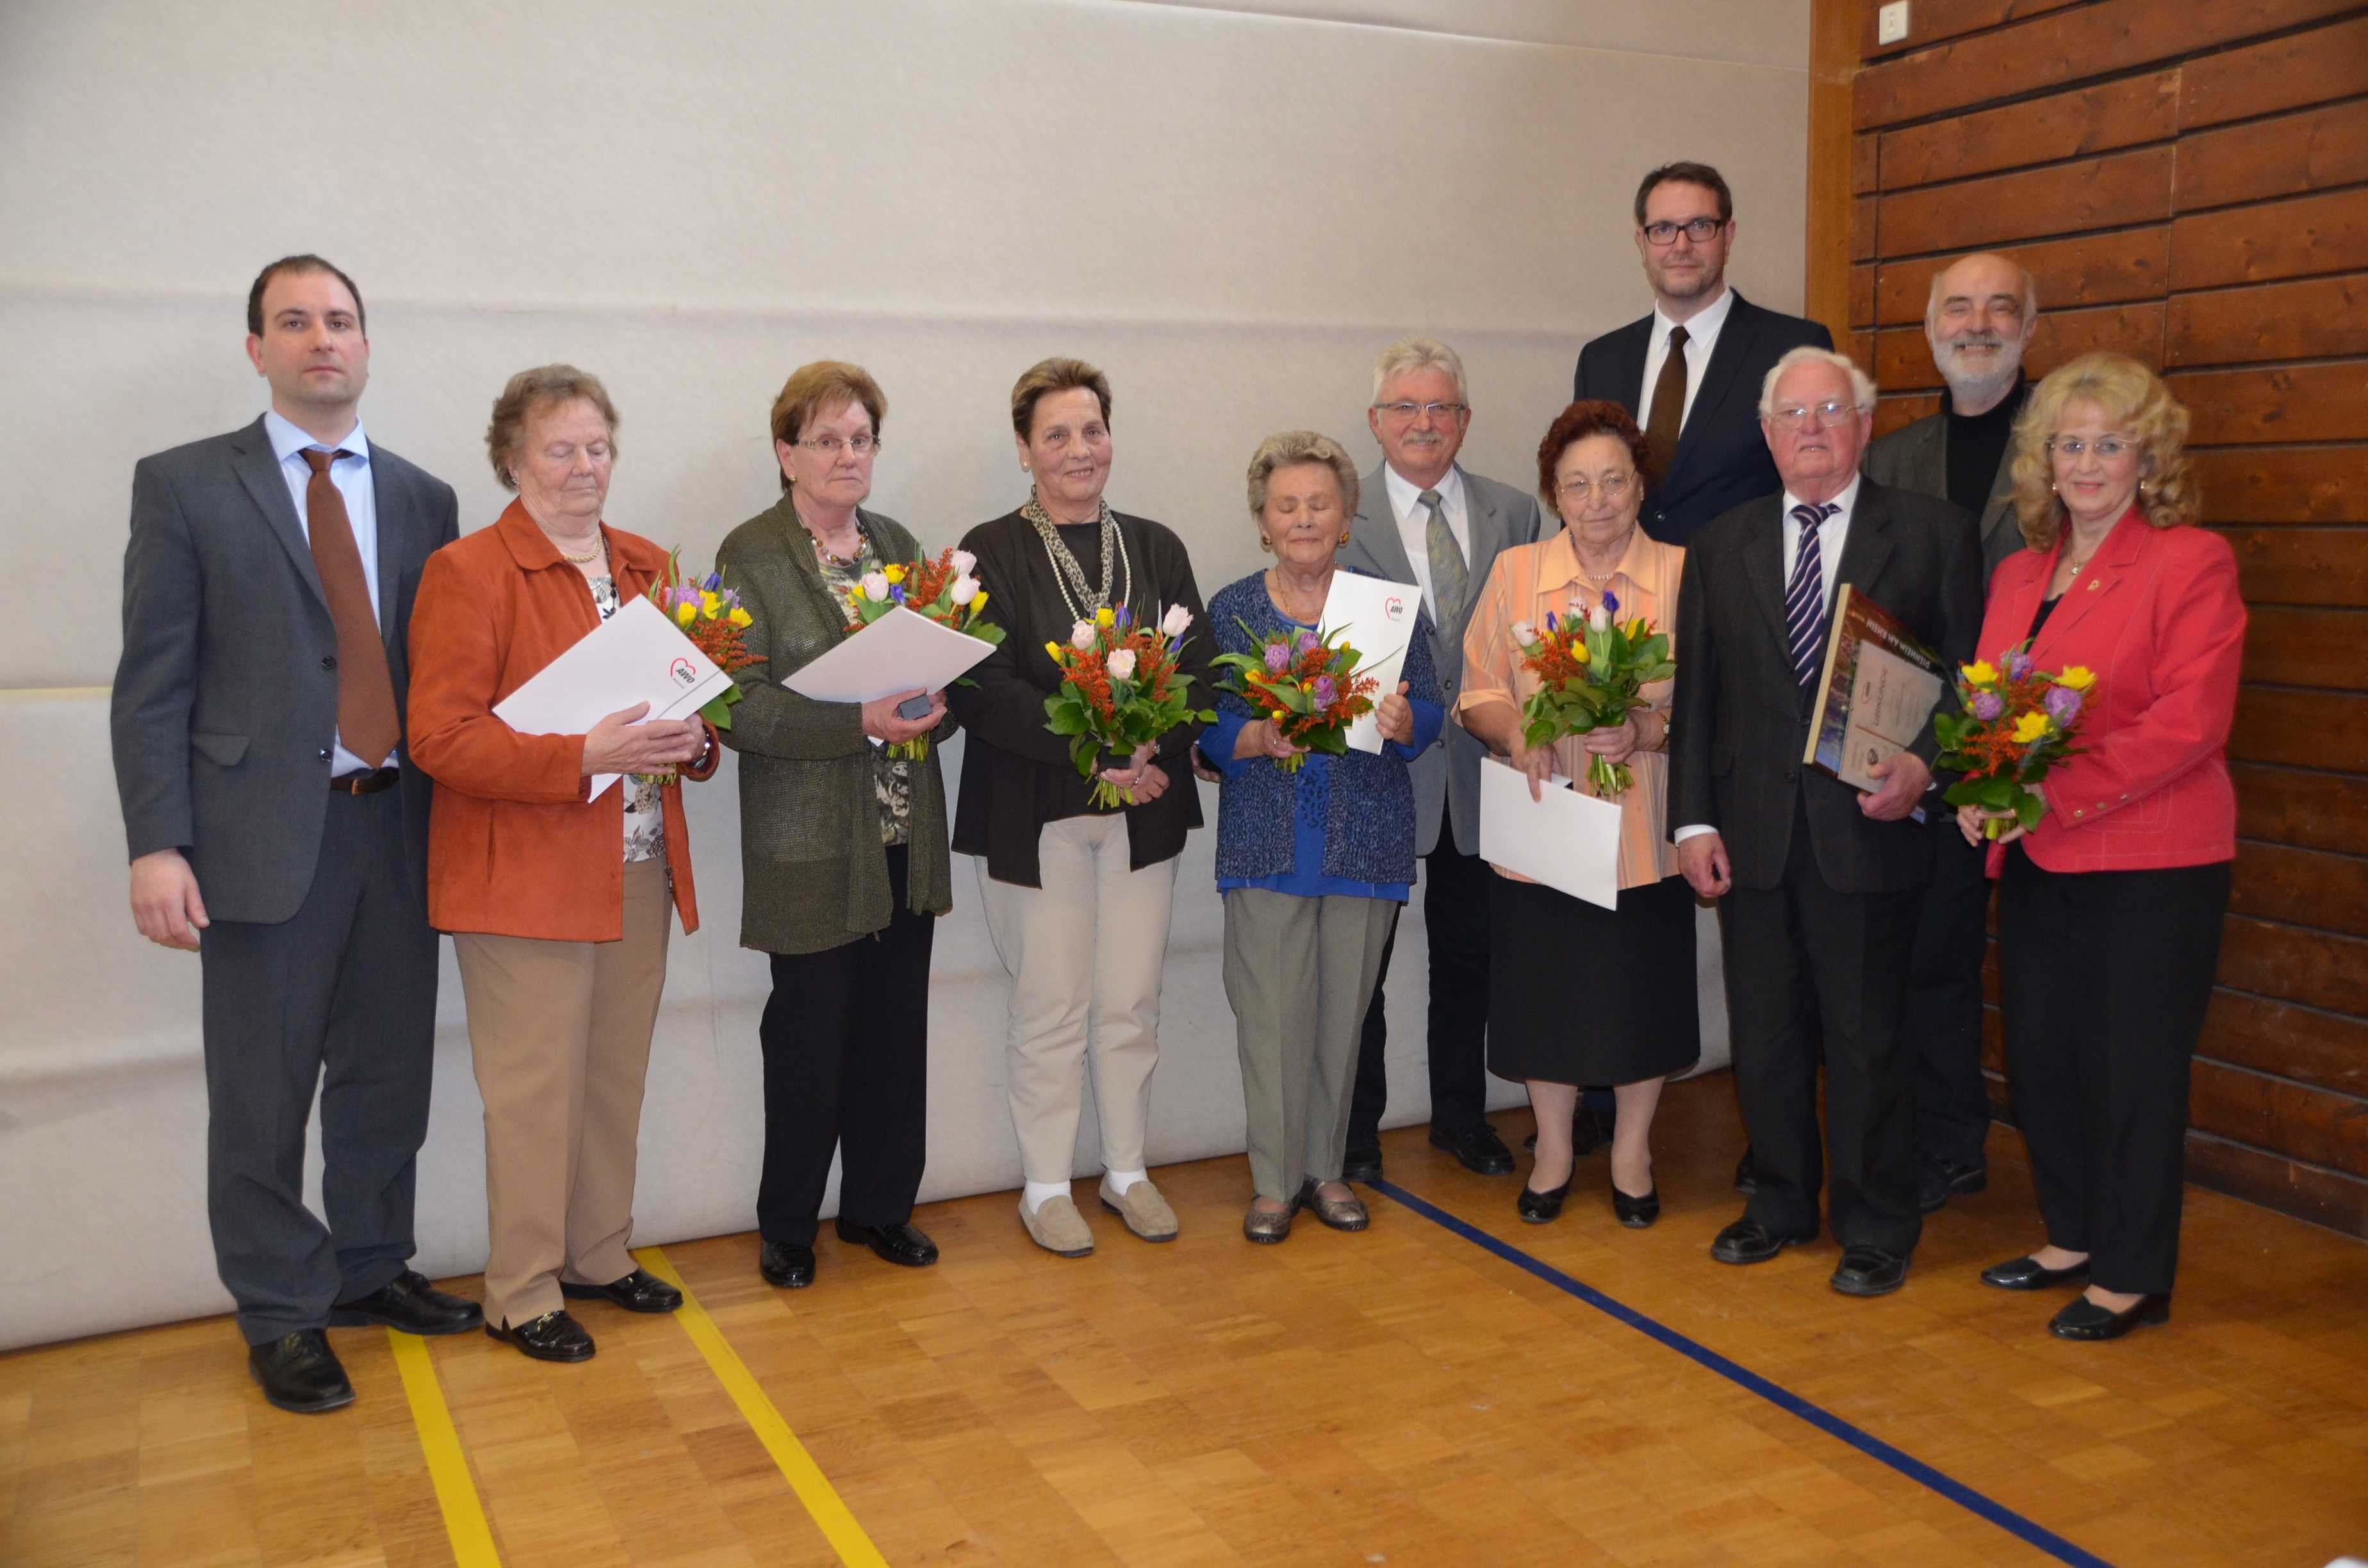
x,y
894,574
685,613
2030,726
1106,616
1980,673
709,604
978,601
740,617
2080,677
1579,651
1053,652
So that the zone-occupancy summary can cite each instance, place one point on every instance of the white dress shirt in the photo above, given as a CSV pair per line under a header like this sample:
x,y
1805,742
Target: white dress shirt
x,y
1414,531
1701,337
351,475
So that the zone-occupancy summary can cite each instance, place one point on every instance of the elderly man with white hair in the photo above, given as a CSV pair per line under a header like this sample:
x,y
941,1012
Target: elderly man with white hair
x,y
1821,883
1979,321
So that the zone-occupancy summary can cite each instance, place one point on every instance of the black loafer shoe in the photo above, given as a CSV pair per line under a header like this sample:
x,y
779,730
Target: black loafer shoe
x,y
1746,1175
2025,1273
902,1244
1635,1212
1541,1208
2084,1319
1936,1183
553,1336
790,1268
1363,1163
1748,1241
299,1372
1476,1149
1870,1271
639,1291
410,1304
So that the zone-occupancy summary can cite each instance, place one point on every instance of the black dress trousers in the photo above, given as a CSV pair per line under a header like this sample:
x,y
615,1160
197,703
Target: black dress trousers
x,y
1944,1001
1455,919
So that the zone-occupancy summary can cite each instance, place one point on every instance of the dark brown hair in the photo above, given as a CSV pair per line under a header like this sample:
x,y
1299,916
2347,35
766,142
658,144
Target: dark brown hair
x,y
1591,417
825,384
1702,175
305,262
1049,376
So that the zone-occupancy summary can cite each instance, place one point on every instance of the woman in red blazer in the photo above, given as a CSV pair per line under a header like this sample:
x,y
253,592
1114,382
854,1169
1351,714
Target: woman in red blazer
x,y
2110,910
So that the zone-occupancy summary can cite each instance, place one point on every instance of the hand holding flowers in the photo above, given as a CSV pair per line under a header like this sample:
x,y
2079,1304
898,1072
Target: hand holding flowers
x,y
2016,721
1121,690
711,616
1591,671
1305,685
946,590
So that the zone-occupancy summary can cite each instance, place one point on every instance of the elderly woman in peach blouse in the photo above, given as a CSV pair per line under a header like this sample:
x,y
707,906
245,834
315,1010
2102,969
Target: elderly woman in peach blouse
x,y
1635,1023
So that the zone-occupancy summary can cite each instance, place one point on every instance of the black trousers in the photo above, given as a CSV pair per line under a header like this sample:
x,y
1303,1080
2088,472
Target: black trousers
x,y
2105,977
341,997
1455,919
1945,1002
846,1036
1805,963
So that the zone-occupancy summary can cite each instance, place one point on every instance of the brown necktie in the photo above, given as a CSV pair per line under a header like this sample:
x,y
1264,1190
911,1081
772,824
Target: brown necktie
x,y
1668,409
366,723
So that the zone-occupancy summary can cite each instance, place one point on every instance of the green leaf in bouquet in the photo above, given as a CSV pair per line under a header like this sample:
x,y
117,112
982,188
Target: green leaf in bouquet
x,y
1065,716
2029,807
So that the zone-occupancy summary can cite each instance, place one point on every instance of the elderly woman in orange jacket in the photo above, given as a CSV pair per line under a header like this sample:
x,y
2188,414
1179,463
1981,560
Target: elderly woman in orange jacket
x,y
557,906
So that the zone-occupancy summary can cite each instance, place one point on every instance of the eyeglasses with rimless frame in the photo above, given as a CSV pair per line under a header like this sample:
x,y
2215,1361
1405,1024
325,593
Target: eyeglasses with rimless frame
x,y
831,445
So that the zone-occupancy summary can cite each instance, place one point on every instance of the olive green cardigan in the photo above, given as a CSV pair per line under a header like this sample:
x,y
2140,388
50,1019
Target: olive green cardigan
x,y
813,872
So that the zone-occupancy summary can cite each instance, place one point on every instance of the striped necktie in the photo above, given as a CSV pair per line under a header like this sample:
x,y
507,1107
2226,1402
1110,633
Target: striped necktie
x,y
1804,599
1450,581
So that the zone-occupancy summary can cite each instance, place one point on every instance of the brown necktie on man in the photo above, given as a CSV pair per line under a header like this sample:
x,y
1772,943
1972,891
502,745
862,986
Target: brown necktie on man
x,y
1667,411
368,725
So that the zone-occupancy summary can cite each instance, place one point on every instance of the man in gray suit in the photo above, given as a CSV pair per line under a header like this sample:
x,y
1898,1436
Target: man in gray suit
x,y
1979,321
277,828
1422,519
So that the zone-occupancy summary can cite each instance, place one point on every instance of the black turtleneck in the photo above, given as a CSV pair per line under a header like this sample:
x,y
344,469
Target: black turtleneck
x,y
1977,444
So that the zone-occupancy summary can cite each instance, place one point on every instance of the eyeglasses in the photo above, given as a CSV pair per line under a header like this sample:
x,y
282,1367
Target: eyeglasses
x,y
1698,230
1823,416
1614,486
1436,409
831,445
2107,448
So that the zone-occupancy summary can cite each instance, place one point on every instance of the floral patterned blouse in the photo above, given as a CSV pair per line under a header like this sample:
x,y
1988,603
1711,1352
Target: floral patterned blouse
x,y
892,778
644,809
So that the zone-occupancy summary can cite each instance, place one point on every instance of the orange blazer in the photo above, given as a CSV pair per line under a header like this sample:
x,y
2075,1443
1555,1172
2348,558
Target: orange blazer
x,y
2157,617
513,851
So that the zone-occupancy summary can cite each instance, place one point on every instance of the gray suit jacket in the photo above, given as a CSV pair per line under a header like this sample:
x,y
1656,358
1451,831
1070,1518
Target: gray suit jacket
x,y
1447,776
1914,457
225,699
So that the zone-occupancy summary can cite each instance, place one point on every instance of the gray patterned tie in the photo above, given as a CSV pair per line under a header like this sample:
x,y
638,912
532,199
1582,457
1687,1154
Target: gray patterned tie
x,y
1451,584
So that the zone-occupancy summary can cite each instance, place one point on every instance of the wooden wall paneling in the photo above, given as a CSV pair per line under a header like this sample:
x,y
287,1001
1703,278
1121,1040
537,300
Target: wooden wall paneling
x,y
2302,729
1858,346
2291,1186
2069,125
2283,72
2283,484
2300,566
2327,400
2268,320
2302,1043
2302,887
2063,198
1866,152
1833,62
2287,646
2310,150
1930,22
2093,269
2294,805
1862,228
1891,412
1861,309
2303,237
2276,1113
2293,964
1904,360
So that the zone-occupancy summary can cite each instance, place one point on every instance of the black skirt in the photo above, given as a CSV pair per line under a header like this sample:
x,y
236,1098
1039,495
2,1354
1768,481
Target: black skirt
x,y
1579,995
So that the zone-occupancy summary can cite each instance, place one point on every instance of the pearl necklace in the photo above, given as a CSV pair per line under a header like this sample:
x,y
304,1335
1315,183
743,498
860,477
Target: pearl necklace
x,y
1070,577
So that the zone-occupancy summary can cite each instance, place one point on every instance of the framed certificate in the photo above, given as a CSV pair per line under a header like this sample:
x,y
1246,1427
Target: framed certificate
x,y
1881,687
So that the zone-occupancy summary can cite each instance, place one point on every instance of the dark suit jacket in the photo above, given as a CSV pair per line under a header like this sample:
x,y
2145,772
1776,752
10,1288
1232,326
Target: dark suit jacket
x,y
1915,458
225,698
1722,459
1740,726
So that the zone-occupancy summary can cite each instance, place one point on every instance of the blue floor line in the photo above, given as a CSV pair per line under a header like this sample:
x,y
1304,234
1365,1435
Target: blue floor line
x,y
1784,1398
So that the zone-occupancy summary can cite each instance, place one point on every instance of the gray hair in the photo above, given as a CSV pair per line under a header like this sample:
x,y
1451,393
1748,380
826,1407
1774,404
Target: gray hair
x,y
1861,384
1292,447
531,391
1418,353
2030,288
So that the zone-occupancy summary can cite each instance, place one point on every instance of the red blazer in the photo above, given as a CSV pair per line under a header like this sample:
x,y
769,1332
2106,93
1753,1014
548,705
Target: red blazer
x,y
512,848
2157,617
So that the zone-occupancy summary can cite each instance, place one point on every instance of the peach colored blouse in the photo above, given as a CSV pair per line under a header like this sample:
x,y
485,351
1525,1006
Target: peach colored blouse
x,y
1525,584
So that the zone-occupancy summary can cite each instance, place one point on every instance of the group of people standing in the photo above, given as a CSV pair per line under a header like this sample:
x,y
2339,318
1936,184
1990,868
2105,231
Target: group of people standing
x,y
300,611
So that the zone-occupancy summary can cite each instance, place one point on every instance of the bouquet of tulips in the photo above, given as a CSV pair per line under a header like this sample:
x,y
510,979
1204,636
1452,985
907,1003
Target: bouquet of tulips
x,y
2015,722
710,615
1591,671
1306,684
944,590
1121,690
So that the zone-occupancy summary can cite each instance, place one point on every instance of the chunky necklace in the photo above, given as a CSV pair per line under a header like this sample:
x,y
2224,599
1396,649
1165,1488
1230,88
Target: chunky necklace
x,y
1071,577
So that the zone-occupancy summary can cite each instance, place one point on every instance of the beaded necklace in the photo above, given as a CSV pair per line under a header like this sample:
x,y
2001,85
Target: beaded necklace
x,y
1081,601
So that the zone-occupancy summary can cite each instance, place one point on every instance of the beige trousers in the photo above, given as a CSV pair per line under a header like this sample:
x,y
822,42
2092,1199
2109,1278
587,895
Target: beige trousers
x,y
1085,952
559,1032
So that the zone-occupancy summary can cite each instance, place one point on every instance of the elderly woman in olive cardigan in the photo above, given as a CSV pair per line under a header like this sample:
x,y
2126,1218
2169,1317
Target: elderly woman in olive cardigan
x,y
1315,862
843,852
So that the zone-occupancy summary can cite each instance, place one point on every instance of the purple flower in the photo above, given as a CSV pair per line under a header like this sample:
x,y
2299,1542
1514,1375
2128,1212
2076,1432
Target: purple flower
x,y
1125,617
714,581
1987,705
1277,655
1308,643
1325,691
2062,705
2018,665
1610,603
1551,622
896,593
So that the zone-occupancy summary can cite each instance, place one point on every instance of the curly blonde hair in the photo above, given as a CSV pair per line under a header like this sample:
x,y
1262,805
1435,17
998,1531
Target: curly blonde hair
x,y
1293,447
2132,397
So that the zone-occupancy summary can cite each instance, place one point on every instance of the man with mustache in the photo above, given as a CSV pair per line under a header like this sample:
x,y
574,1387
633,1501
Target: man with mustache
x,y
1979,321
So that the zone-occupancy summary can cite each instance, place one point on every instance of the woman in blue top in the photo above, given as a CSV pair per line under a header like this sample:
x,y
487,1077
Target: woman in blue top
x,y
1310,861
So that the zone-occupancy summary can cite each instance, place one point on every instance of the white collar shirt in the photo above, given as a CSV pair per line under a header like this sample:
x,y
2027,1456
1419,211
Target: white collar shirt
x,y
1702,339
351,475
1831,535
1413,524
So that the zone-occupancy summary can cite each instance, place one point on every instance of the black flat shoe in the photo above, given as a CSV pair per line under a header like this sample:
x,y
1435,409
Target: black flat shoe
x,y
1748,1241
410,1304
1476,1149
1868,1271
1937,1182
2025,1273
1746,1175
1362,1163
1541,1208
790,1268
553,1336
2084,1319
639,1291
300,1373
902,1244
1635,1212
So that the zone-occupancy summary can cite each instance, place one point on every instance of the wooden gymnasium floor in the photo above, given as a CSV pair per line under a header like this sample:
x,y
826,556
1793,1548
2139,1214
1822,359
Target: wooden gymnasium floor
x,y
1404,1396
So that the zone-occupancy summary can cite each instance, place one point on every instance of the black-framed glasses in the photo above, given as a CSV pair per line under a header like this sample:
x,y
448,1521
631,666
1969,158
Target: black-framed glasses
x,y
1698,230
831,445
1436,409
1825,415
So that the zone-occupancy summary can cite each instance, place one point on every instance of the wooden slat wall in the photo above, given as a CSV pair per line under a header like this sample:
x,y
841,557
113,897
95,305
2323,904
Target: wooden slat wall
x,y
2188,181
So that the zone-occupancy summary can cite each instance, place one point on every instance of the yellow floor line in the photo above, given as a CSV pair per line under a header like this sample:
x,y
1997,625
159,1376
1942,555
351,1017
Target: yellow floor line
x,y
805,1478
456,1494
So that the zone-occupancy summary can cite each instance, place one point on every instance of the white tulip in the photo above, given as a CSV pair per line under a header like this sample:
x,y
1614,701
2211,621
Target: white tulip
x,y
875,586
1081,636
1524,633
965,563
1120,664
1178,620
966,589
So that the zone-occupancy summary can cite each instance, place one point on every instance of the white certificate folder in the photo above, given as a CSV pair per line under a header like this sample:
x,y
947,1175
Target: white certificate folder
x,y
899,651
1379,618
1569,841
636,656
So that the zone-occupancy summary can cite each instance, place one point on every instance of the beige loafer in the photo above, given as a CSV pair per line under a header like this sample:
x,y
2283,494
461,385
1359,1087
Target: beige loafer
x,y
1340,1213
1058,1228
1267,1229
1145,1213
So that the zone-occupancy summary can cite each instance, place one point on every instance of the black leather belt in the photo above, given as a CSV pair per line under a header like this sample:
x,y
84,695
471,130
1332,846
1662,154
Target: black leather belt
x,y
368,783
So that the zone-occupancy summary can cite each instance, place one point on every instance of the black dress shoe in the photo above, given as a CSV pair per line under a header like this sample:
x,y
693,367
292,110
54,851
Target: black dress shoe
x,y
1748,1241
1746,1175
1541,1208
1476,1149
902,1244
1635,1212
639,1291
1868,1271
553,1336
410,1304
299,1372
2025,1273
1363,1163
2084,1319
790,1268
1937,1182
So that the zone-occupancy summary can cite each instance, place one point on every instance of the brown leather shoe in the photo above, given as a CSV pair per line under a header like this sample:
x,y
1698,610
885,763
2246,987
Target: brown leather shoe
x,y
1266,1228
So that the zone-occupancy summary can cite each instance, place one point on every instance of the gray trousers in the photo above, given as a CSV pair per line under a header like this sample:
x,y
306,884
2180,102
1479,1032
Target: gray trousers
x,y
1299,974
341,995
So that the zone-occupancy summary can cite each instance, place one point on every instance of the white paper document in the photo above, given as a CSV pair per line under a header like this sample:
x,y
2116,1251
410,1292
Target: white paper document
x,y
1569,841
1379,617
899,651
636,656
